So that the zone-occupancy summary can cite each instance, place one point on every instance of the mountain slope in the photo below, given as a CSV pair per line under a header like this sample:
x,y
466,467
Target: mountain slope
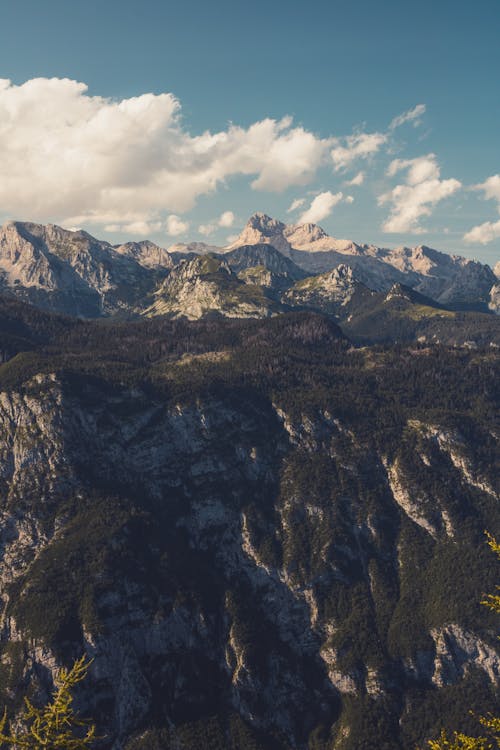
x,y
147,254
254,529
335,293
207,285
69,272
404,315
264,265
449,279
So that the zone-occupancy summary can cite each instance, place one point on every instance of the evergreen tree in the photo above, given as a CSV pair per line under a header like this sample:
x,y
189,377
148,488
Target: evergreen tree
x,y
489,723
55,726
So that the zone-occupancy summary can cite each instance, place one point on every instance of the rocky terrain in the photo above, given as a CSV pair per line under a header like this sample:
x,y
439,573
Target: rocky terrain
x,y
264,537
252,484
76,274
448,279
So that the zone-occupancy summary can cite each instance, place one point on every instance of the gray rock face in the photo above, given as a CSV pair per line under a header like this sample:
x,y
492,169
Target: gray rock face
x,y
206,285
262,229
448,279
265,256
70,272
147,254
74,273
171,583
494,303
329,292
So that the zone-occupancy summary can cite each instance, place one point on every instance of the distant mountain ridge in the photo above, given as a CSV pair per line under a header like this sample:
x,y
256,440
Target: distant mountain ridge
x,y
270,267
450,279
74,273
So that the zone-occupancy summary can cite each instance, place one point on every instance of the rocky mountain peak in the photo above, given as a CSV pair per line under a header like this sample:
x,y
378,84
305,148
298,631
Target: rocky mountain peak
x,y
264,222
343,272
68,271
399,291
147,254
200,248
262,228
303,233
265,255
203,265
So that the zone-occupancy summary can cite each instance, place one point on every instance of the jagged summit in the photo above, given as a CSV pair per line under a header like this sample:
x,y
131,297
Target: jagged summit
x,y
262,254
73,272
206,285
147,254
69,271
448,279
331,292
200,248
407,294
263,229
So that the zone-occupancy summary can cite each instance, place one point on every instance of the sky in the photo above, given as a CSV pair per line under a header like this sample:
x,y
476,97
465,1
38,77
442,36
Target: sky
x,y
172,121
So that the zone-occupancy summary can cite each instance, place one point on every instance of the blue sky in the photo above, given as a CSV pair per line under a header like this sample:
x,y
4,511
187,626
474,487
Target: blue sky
x,y
222,148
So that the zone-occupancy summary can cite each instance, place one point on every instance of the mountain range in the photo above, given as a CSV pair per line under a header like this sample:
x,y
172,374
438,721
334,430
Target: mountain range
x,y
271,268
251,484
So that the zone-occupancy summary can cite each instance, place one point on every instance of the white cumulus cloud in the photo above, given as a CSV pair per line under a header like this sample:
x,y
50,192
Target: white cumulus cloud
x,y
176,226
226,219
207,229
420,169
321,207
483,233
489,230
136,227
68,156
354,147
491,188
417,196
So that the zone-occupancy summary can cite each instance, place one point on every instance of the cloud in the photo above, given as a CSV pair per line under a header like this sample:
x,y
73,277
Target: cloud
x,y
416,198
419,169
491,188
175,226
294,205
207,229
321,207
357,180
289,156
78,159
349,149
68,156
411,115
136,227
226,219
483,233
357,146
349,199
489,230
